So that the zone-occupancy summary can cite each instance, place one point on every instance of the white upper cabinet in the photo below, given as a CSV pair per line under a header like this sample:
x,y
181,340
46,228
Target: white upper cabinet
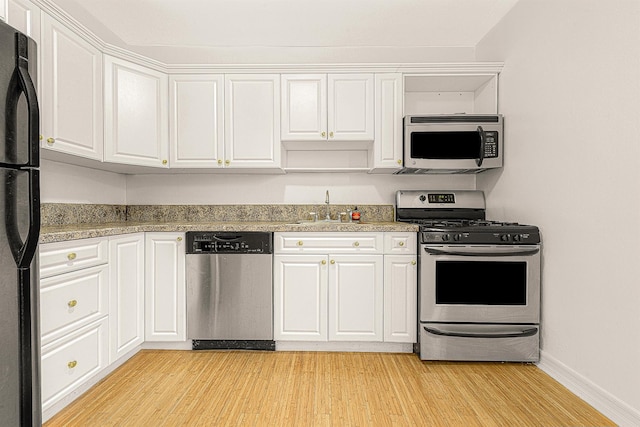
x,y
304,107
24,16
3,12
350,115
71,92
196,120
327,107
252,121
387,144
136,114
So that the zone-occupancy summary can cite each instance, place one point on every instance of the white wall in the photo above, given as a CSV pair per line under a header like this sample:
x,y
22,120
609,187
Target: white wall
x,y
62,183
570,93
295,188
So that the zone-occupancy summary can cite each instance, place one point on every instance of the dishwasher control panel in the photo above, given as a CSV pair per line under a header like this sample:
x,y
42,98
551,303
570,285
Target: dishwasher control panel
x,y
220,242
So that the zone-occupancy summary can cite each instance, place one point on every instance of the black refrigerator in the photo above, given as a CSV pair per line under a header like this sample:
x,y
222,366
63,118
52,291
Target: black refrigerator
x,y
20,402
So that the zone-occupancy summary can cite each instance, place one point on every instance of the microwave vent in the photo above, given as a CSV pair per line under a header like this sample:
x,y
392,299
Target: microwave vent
x,y
455,119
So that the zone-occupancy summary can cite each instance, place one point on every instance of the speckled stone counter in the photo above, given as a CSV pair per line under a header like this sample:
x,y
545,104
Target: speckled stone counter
x,y
70,222
84,231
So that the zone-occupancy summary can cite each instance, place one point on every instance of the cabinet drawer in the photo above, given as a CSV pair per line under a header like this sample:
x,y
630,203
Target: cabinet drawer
x,y
400,243
321,242
70,361
72,299
63,257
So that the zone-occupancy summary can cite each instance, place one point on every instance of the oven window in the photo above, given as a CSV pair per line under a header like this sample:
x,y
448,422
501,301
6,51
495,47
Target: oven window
x,y
445,145
481,282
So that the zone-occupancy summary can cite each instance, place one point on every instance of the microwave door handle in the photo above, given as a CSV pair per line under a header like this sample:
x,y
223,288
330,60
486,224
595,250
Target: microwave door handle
x,y
483,252
516,334
483,141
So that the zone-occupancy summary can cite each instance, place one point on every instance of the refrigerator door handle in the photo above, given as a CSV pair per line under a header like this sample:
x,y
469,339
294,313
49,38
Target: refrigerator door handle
x,y
21,83
30,94
23,252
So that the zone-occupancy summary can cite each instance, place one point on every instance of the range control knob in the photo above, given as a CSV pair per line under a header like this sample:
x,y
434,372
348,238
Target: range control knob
x,y
446,237
504,237
457,237
422,198
517,237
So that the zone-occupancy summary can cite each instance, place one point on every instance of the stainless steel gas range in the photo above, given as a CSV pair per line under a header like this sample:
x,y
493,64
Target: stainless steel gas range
x,y
478,282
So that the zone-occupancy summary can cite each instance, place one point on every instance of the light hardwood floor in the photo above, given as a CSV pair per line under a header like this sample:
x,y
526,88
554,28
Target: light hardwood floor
x,y
221,388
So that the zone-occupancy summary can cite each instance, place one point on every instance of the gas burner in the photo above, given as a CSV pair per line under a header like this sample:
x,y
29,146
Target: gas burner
x,y
461,220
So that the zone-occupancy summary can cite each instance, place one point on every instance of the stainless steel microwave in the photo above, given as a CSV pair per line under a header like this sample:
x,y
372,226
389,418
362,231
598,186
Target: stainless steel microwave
x,y
461,143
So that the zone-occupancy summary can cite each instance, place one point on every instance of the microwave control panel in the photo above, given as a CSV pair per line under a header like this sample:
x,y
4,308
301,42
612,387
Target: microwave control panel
x,y
491,144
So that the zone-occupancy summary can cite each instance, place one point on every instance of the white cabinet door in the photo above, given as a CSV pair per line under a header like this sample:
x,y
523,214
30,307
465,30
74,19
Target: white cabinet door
x,y
351,104
304,107
252,121
126,313
196,120
136,114
387,144
165,287
3,11
333,107
400,298
72,360
71,94
300,297
355,297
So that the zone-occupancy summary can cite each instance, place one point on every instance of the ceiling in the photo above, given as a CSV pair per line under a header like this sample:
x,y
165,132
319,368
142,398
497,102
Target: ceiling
x,y
167,29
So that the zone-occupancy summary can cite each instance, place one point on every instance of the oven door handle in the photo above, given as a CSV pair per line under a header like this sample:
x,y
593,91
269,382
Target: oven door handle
x,y
516,334
484,252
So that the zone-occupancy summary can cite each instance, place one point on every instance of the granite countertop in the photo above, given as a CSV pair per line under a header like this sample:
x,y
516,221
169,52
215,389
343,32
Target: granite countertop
x,y
58,233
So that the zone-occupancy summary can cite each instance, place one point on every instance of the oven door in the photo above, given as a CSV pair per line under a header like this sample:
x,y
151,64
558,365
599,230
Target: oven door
x,y
480,284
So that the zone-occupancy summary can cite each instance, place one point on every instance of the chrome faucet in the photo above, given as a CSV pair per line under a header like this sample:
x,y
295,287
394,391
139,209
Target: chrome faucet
x,y
328,217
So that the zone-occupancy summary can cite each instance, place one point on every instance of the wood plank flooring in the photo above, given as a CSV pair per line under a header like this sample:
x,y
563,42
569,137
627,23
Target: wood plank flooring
x,y
215,388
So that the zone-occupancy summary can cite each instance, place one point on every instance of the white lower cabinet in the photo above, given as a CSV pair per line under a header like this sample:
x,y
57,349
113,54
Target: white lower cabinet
x,y
126,316
355,297
74,315
71,300
165,289
70,361
343,287
400,298
300,297
93,302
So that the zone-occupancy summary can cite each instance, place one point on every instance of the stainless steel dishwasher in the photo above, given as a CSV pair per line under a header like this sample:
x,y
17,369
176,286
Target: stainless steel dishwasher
x,y
230,290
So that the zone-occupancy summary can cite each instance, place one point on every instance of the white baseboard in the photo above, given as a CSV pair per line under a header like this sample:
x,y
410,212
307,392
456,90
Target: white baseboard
x,y
177,345
618,411
352,346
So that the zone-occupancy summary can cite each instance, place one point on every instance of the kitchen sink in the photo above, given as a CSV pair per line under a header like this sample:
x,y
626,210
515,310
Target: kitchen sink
x,y
319,222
